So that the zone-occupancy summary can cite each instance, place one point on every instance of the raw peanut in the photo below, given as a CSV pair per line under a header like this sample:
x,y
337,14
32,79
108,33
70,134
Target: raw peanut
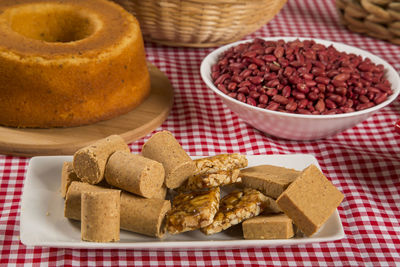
x,y
310,83
341,90
346,109
342,77
288,71
272,106
269,50
244,90
245,73
272,92
221,78
251,101
322,79
263,99
232,94
291,106
215,75
286,91
280,99
349,103
330,104
312,96
261,105
363,99
258,62
270,76
302,103
364,106
244,84
335,98
318,72
310,106
274,66
330,88
249,54
302,87
272,83
380,98
254,94
332,73
279,51
252,66
308,76
232,86
222,88
269,58
320,106
298,95
256,80
329,112
337,83
241,97
237,65
304,111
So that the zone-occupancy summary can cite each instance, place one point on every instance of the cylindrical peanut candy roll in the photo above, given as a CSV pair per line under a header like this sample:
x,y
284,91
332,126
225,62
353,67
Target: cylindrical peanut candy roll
x,y
164,148
161,193
72,208
134,173
100,213
90,161
144,216
67,177
139,215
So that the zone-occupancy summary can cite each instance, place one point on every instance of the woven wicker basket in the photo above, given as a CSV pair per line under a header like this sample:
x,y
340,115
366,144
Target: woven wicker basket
x,y
200,23
376,18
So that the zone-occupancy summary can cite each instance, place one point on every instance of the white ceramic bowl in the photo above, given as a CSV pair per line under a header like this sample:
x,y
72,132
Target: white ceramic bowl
x,y
299,126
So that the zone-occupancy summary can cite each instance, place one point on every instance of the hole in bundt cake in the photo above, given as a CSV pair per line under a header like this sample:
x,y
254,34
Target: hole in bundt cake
x,y
51,23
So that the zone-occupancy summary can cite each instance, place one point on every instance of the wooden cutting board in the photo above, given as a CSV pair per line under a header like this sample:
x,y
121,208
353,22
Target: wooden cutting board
x,y
65,141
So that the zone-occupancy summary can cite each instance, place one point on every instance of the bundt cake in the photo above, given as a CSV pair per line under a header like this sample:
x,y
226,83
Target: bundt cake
x,y
68,62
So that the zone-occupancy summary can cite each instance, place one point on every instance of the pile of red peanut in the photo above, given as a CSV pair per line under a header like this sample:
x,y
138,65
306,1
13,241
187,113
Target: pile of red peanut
x,y
301,77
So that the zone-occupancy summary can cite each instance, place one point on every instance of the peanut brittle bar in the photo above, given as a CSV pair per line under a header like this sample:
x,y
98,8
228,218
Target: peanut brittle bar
x,y
219,178
222,162
193,210
235,208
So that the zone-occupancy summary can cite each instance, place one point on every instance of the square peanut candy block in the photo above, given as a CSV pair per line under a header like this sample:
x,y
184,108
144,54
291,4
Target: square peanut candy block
x,y
274,226
310,200
268,179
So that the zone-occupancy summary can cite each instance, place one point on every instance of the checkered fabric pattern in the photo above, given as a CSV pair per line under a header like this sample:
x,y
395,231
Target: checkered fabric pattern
x,y
363,162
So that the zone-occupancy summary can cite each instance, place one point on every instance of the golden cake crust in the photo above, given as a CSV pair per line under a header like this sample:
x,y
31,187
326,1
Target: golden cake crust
x,y
82,62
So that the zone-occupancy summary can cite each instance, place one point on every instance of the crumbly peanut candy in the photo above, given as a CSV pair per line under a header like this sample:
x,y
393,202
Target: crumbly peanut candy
x,y
310,200
235,208
270,180
211,180
193,210
275,226
223,162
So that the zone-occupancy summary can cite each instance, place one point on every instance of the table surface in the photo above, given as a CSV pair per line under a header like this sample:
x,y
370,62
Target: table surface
x,y
363,162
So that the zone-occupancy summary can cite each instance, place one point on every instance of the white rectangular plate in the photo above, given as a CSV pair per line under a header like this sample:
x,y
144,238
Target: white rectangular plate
x,y
43,222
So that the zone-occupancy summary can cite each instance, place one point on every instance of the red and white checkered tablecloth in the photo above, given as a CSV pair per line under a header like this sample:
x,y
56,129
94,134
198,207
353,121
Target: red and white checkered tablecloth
x,y
363,162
